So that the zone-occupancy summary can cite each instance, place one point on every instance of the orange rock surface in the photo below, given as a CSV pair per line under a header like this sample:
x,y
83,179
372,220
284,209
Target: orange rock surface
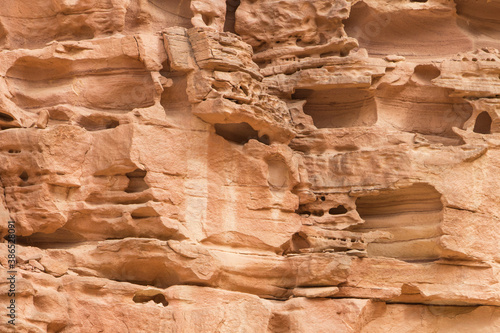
x,y
250,165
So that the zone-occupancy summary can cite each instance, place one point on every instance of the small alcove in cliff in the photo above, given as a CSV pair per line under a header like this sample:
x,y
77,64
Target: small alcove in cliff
x,y
483,123
337,108
412,215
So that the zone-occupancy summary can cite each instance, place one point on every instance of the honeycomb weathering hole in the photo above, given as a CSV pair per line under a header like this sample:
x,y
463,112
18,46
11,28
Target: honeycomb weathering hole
x,y
425,73
412,215
337,210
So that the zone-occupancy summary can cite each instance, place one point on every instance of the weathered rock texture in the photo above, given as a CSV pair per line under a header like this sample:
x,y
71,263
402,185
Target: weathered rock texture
x,y
251,166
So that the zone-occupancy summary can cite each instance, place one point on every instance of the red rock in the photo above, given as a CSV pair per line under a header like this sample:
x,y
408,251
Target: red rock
x,y
250,166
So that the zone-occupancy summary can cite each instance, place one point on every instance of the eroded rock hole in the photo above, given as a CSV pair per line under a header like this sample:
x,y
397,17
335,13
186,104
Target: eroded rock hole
x,y
337,210
337,108
231,6
424,74
97,124
158,299
306,211
24,176
297,242
483,123
265,139
239,133
303,210
208,20
5,117
412,215
136,181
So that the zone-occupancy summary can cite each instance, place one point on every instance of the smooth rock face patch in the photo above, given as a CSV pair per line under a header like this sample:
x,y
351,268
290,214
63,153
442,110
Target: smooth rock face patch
x,y
250,166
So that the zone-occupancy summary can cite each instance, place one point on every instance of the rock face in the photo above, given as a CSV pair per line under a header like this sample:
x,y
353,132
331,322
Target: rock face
x,y
251,165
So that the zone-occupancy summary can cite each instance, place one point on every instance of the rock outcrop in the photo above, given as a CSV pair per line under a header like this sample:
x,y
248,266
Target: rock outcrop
x,y
250,165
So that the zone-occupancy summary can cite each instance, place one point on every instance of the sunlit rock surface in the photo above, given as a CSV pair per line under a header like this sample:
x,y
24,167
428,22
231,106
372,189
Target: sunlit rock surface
x,y
251,165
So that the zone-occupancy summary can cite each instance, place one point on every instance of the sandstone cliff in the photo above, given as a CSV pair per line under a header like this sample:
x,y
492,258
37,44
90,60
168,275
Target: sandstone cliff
x,y
250,165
